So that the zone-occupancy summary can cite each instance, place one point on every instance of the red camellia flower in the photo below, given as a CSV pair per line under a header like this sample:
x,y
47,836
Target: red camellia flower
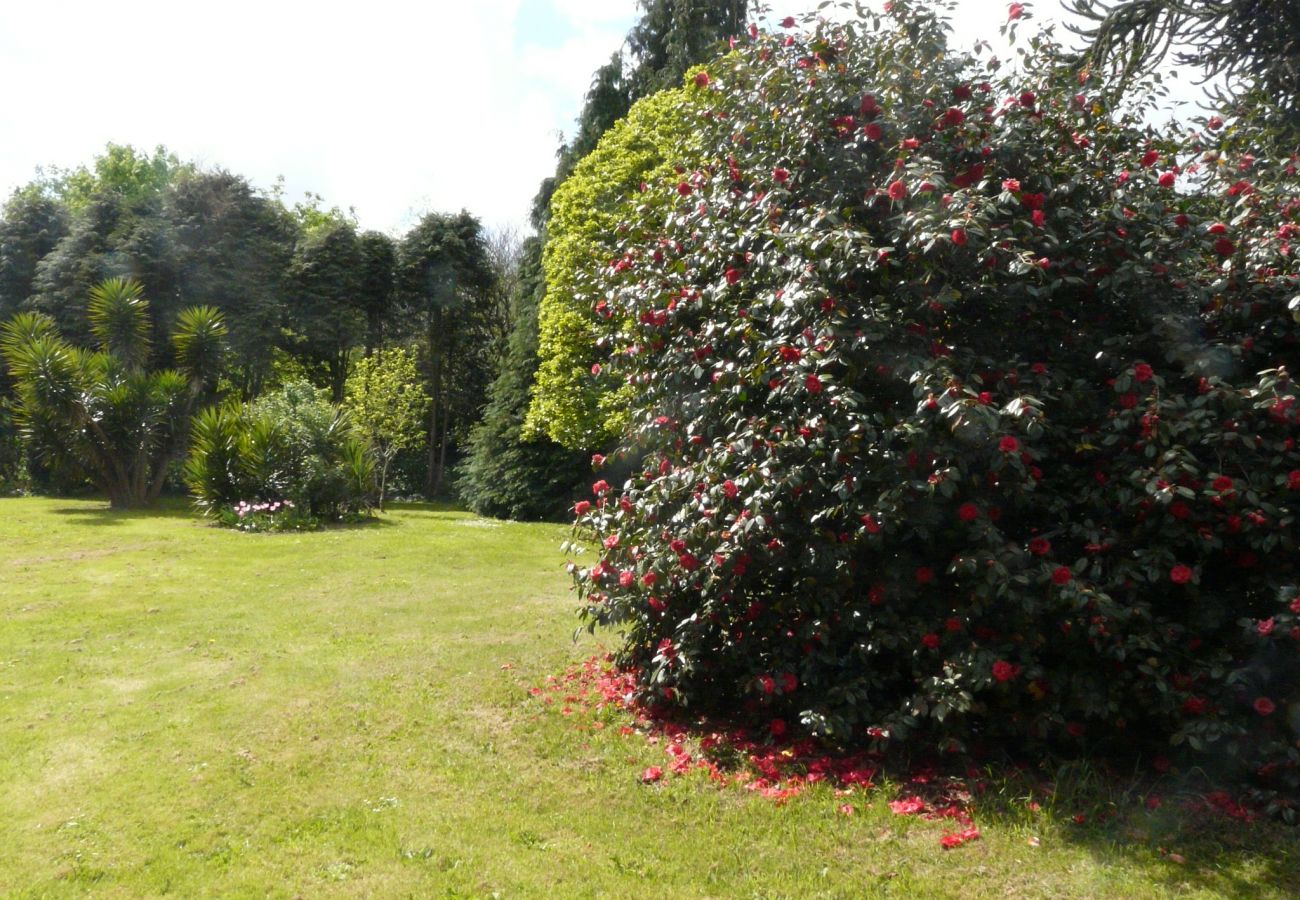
x,y
684,189
649,578
1224,247
813,384
924,575
701,79
1062,575
1195,706
626,579
1265,627
729,488
1015,11
600,487
1004,671
581,508
1142,372
1149,159
767,683
777,727
781,175
1222,484
1166,179
930,641
873,131
968,512
1180,574
1008,444
959,237
789,682
652,774
897,190
1264,706
1040,546
1028,98
787,22
1293,480
953,116
732,275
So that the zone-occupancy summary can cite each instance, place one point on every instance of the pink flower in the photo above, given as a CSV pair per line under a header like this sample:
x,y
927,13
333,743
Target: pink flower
x,y
684,189
1264,706
897,190
1011,185
1015,11
581,508
1004,671
908,806
652,774
600,487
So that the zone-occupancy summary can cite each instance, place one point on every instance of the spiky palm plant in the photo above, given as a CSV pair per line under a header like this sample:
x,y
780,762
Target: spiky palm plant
x,y
104,411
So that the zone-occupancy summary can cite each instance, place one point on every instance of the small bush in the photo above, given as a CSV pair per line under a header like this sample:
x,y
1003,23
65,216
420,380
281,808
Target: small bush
x,y
289,447
967,411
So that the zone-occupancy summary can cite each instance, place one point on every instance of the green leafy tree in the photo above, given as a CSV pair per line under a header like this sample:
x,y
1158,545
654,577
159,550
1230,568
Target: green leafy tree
x,y
326,319
387,404
105,411
571,404
444,276
376,290
505,474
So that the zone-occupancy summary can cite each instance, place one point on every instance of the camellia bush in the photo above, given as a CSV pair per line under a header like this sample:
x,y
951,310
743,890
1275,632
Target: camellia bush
x,y
966,409
289,460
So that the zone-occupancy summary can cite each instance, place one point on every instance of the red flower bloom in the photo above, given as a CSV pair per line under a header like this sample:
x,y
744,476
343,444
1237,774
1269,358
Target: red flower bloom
x,y
626,579
1166,179
1293,480
777,727
581,508
791,354
1180,574
1142,372
787,22
1062,575
1224,247
1217,228
781,175
652,774
1264,706
684,189
924,575
870,523
968,512
873,131
1011,185
1015,11
1196,706
649,578
897,190
1008,444
729,489
1149,159
1028,98
959,237
767,683
956,839
1222,484
930,641
813,384
789,682
953,116
600,487
701,79
732,275
1004,671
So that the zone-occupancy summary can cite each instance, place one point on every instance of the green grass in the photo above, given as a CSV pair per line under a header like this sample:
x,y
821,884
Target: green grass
x,y
194,711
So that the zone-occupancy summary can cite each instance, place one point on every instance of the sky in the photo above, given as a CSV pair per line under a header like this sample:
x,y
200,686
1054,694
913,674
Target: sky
x,y
393,108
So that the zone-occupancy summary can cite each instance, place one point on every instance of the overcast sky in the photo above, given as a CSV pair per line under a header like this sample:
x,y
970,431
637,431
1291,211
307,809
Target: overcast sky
x,y
393,107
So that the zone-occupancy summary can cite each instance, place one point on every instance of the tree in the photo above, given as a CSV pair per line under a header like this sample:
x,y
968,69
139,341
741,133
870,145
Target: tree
x,y
375,288
443,278
957,422
1254,45
325,316
104,410
505,474
31,225
387,405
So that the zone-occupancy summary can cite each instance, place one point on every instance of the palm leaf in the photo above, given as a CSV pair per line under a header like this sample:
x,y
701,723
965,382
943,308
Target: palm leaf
x,y
200,342
119,319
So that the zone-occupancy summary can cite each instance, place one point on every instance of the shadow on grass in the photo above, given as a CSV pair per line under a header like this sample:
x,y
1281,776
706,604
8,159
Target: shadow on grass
x,y
102,514
1168,825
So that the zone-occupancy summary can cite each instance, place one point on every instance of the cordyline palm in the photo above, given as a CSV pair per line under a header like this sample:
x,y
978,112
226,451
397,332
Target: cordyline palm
x,y
103,411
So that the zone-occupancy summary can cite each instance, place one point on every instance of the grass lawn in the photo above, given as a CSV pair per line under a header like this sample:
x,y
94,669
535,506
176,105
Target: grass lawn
x,y
194,711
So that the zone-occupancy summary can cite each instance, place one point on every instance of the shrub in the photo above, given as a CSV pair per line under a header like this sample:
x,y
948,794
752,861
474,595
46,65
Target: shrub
x,y
962,423
291,447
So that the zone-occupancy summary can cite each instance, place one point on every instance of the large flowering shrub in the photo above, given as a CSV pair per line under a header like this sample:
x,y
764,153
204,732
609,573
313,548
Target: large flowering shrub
x,y
965,411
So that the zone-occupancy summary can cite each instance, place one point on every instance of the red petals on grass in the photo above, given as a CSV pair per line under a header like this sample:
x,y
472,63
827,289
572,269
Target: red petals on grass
x,y
957,838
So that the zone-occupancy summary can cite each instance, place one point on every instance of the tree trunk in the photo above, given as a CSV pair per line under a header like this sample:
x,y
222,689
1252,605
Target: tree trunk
x,y
431,479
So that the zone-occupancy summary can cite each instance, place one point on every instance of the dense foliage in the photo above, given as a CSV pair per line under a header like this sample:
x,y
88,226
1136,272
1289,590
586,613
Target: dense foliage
x,y
583,234
290,452
107,413
966,411
386,402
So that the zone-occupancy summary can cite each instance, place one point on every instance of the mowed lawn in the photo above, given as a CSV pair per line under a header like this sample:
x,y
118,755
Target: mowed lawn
x,y
199,712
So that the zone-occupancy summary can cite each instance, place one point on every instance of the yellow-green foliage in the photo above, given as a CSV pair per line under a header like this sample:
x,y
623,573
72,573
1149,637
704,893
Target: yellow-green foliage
x,y
569,405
